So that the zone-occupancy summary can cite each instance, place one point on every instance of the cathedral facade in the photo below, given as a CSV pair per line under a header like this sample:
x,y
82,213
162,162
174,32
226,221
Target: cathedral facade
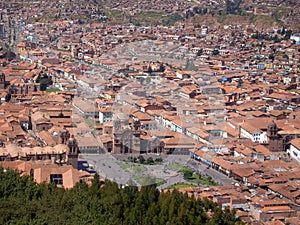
x,y
130,137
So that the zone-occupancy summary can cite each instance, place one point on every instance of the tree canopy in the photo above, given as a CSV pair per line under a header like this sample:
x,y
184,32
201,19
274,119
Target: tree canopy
x,y
22,201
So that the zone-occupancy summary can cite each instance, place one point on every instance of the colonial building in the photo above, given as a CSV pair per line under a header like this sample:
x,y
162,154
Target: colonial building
x,y
253,133
72,147
64,153
129,137
276,143
72,153
295,149
20,88
63,176
40,121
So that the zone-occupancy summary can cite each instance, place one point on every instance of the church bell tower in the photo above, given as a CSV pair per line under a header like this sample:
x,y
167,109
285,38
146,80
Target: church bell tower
x,y
72,154
275,140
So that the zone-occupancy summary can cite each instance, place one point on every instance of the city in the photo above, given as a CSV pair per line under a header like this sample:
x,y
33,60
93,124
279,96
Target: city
x,y
201,97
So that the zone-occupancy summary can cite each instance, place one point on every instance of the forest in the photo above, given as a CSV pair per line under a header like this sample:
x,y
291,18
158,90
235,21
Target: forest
x,y
22,201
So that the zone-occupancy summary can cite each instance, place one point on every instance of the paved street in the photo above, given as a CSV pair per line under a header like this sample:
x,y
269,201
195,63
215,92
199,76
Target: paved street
x,y
215,175
107,167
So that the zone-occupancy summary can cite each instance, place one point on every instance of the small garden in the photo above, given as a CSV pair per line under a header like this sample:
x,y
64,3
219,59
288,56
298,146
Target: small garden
x,y
181,185
145,180
199,179
52,90
132,168
191,176
178,167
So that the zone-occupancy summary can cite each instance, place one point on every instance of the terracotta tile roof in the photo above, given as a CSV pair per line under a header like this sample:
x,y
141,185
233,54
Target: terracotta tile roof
x,y
277,209
249,128
243,172
263,150
141,116
296,143
47,138
14,150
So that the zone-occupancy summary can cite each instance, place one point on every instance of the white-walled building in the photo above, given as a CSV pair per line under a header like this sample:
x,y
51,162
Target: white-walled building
x,y
105,114
294,150
252,133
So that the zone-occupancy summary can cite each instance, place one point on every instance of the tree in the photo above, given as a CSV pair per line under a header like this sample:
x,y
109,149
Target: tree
x,y
283,31
150,161
272,57
44,81
200,52
187,173
134,159
288,34
149,70
159,159
61,115
233,6
161,67
141,159
96,182
109,204
215,52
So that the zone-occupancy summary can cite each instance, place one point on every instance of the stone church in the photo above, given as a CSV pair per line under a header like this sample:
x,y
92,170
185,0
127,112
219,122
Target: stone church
x,y
276,141
130,137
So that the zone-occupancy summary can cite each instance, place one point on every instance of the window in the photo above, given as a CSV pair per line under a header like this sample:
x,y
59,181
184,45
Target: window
x,y
57,179
295,153
32,172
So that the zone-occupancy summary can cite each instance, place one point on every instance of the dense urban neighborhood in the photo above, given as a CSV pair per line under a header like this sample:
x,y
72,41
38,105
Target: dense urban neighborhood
x,y
196,98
